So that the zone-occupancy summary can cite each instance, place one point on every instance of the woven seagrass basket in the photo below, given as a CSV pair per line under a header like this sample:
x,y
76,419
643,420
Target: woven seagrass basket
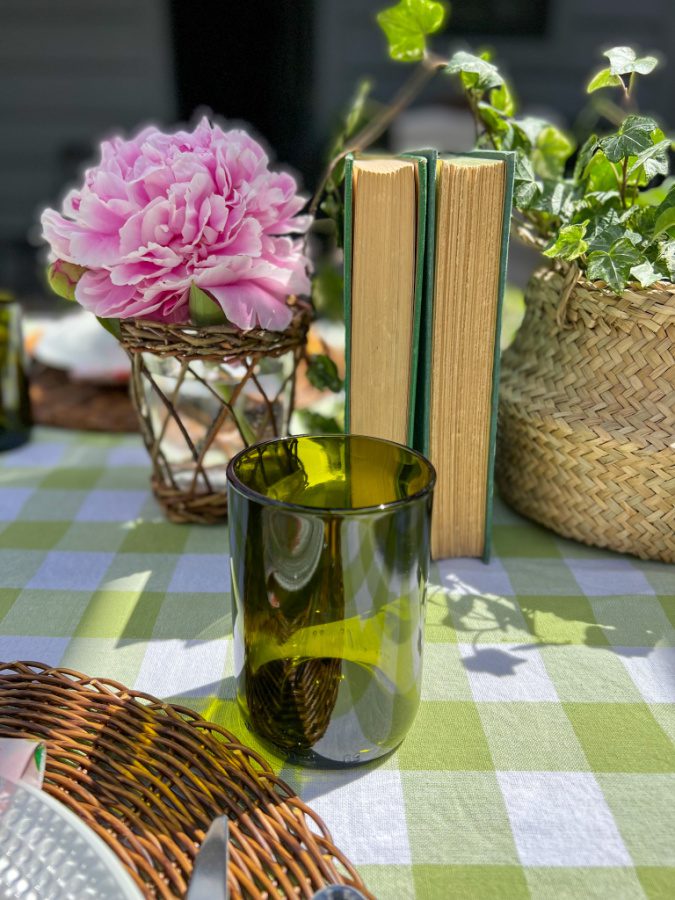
x,y
201,394
586,442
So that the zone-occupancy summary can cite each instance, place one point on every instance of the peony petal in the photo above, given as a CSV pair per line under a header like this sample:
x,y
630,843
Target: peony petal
x,y
246,305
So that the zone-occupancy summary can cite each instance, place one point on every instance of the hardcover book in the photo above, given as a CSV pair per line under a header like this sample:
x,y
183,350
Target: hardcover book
x,y
426,244
468,216
385,233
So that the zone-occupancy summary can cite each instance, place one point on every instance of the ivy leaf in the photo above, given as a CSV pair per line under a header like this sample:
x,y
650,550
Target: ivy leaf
x,y
327,289
654,159
492,118
552,148
656,195
556,198
604,232
603,79
664,214
322,373
203,309
316,423
631,139
613,265
355,113
63,277
525,184
502,99
664,222
406,26
477,73
646,274
667,256
584,156
600,174
625,61
569,243
531,127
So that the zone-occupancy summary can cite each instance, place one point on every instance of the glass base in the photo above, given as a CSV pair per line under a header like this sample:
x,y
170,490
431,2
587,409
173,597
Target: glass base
x,y
313,758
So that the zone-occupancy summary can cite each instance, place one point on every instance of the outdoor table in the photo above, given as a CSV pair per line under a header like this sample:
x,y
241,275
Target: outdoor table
x,y
542,759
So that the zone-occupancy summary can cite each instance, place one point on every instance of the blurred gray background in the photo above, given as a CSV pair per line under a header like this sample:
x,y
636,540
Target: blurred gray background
x,y
73,71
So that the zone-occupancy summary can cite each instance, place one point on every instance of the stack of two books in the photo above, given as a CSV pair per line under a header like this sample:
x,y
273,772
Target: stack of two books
x,y
426,240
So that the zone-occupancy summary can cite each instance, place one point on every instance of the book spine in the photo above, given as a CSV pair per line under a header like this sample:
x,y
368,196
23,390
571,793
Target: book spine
x,y
347,279
508,158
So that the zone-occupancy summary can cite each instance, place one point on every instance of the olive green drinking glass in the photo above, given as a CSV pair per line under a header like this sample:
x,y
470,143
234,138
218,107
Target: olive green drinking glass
x,y
329,541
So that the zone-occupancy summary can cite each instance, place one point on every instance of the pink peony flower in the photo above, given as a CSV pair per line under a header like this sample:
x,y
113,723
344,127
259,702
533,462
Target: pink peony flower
x,y
164,211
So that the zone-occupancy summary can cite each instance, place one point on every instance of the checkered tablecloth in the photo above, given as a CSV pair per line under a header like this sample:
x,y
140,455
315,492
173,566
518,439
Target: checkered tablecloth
x,y
542,760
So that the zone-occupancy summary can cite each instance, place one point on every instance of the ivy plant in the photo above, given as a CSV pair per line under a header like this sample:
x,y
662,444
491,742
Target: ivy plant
x,y
608,206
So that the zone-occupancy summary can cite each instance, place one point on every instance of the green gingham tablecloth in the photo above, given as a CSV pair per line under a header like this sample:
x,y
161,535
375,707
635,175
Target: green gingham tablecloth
x,y
542,760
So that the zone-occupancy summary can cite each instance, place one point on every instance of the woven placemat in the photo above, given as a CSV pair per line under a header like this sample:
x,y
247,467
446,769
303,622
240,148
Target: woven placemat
x,y
62,403
150,777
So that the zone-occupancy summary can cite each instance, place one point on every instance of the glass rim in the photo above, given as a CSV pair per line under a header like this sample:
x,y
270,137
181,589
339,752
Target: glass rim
x,y
250,493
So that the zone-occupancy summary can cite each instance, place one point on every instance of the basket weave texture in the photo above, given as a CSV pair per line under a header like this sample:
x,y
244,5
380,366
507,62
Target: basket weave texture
x,y
587,414
149,778
190,491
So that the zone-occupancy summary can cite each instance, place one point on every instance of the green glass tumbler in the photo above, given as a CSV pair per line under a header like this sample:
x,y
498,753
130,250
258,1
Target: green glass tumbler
x,y
329,543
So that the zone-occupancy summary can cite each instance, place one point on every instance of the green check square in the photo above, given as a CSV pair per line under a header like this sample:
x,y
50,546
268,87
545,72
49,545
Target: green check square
x,y
541,578
206,538
7,599
28,477
535,737
389,882
204,616
644,811
438,623
657,883
443,674
587,883
49,613
668,606
562,620
120,614
524,541
664,713
634,622
621,737
103,537
52,505
459,743
125,478
33,536
470,882
595,674
457,818
119,660
154,537
75,479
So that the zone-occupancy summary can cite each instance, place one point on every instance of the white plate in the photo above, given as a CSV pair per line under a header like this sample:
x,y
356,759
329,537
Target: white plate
x,y
82,347
47,853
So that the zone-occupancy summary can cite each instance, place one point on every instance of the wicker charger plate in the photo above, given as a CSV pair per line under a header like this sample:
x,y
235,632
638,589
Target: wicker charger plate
x,y
149,778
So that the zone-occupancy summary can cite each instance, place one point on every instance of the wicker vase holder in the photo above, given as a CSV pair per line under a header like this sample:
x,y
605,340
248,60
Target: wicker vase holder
x,y
586,442
201,395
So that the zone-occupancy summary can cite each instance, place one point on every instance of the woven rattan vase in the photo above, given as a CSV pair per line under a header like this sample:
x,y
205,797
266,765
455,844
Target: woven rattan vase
x,y
586,441
201,395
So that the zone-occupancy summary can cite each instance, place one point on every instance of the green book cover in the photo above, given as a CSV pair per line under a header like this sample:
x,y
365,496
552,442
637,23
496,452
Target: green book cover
x,y
421,429
420,263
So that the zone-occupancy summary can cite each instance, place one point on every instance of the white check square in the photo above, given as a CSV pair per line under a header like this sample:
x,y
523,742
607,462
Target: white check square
x,y
606,577
71,570
201,573
472,576
561,819
507,672
654,674
111,506
176,668
364,811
